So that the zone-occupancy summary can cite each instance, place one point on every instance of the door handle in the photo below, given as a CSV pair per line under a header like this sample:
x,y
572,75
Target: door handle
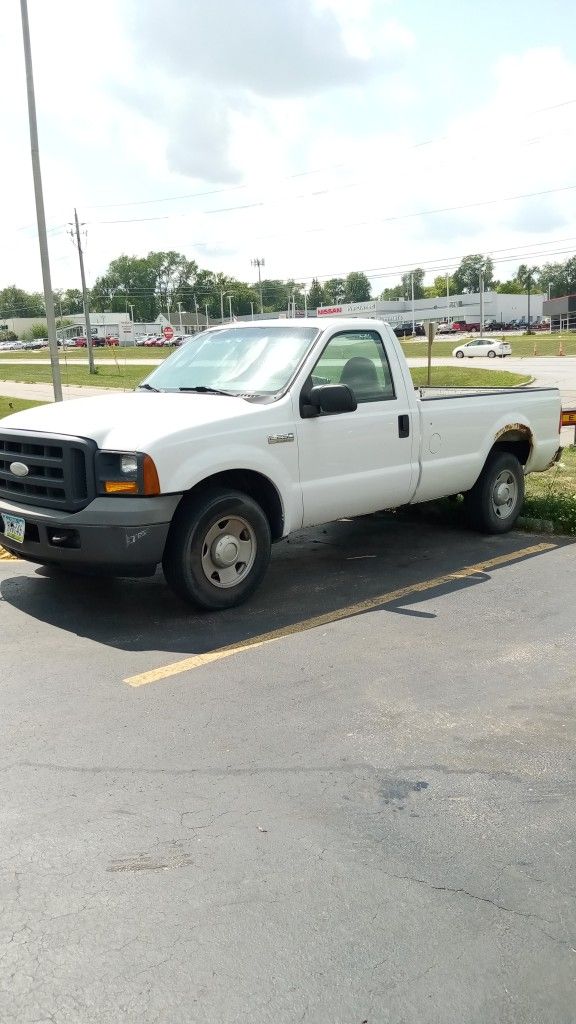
x,y
404,425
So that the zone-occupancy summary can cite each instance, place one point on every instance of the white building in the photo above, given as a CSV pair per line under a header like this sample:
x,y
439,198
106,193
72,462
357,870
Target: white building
x,y
502,308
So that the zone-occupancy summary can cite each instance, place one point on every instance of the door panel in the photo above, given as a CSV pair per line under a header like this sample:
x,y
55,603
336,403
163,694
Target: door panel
x,y
356,462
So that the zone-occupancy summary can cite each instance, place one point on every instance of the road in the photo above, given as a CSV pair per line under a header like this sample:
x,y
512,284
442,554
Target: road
x,y
362,818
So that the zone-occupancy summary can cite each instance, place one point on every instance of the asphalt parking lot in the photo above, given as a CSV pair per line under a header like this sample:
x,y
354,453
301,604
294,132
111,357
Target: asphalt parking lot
x,y
351,800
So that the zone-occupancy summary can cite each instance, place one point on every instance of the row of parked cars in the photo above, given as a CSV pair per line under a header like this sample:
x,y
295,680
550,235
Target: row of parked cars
x,y
159,341
462,326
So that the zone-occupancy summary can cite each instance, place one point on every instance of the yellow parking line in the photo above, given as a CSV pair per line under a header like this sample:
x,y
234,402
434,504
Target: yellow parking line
x,y
197,660
7,556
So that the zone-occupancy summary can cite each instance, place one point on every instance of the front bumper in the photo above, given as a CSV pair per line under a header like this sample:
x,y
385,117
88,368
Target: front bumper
x,y
117,536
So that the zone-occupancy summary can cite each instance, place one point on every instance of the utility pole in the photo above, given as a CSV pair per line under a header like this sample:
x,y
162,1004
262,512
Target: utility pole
x,y
259,263
481,303
230,306
251,310
197,319
413,317
305,303
221,305
40,214
206,309
85,301
448,299
180,315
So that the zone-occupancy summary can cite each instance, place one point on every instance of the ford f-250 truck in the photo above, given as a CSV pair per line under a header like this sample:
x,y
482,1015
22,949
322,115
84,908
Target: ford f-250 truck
x,y
247,433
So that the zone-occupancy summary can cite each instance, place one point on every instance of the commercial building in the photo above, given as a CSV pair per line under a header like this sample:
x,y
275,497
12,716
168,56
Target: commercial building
x,y
502,308
562,312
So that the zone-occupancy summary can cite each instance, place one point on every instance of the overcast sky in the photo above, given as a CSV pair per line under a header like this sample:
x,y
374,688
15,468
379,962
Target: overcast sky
x,y
318,134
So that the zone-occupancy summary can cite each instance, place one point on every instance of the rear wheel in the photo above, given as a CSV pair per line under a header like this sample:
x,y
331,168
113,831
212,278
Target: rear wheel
x,y
218,549
494,503
491,354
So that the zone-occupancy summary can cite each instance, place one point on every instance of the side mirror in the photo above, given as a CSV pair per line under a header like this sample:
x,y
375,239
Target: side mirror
x,y
328,398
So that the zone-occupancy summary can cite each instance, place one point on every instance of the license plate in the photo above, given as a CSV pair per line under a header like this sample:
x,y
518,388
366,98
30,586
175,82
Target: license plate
x,y
14,528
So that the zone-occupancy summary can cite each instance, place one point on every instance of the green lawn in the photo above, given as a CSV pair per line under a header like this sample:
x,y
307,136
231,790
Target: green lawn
x,y
126,377
551,496
10,405
80,354
467,377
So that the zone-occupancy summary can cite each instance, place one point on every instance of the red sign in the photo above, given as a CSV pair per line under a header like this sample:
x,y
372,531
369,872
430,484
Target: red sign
x,y
168,333
328,310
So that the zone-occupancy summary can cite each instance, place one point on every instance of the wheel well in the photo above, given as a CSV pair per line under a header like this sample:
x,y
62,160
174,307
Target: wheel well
x,y
516,439
259,487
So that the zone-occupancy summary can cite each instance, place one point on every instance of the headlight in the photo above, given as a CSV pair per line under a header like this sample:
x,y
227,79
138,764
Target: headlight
x,y
126,473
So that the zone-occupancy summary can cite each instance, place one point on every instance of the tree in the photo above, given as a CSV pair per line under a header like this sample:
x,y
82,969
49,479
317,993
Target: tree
x,y
387,294
175,279
527,276
15,302
467,276
418,276
316,294
357,287
274,295
511,287
334,290
129,280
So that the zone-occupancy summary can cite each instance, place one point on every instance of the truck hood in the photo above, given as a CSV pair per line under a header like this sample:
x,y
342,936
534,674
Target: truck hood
x,y
132,421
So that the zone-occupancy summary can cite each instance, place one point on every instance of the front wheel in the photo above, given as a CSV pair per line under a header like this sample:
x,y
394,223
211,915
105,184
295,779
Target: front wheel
x,y
494,503
218,549
459,355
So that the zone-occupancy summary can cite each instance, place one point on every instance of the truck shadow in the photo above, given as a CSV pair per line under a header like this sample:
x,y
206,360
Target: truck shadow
x,y
313,573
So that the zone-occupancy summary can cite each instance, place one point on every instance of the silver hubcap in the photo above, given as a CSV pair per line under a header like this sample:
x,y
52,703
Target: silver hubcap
x,y
504,494
228,551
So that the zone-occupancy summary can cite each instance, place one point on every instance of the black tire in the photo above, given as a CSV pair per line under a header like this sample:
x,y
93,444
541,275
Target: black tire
x,y
188,558
491,355
484,512
459,355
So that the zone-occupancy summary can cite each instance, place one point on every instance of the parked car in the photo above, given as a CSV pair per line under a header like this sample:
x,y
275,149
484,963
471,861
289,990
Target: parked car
x,y
405,330
141,341
179,472
488,347
463,326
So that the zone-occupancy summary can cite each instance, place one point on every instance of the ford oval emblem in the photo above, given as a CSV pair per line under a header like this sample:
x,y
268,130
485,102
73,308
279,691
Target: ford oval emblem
x,y
19,469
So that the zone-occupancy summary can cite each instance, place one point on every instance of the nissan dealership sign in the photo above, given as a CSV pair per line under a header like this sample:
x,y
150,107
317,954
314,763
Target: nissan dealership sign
x,y
347,308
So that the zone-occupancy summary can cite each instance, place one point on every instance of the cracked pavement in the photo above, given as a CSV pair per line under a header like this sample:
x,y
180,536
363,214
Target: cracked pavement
x,y
372,821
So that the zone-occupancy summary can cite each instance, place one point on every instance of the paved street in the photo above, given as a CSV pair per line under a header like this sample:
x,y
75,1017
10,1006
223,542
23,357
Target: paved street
x,y
360,818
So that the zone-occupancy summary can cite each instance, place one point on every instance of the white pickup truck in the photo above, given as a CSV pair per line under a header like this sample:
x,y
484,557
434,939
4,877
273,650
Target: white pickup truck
x,y
247,433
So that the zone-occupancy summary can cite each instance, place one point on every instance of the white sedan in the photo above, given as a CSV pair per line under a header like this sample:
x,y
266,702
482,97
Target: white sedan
x,y
483,347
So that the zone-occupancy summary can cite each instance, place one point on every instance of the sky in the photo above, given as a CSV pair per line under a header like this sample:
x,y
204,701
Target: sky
x,y
323,136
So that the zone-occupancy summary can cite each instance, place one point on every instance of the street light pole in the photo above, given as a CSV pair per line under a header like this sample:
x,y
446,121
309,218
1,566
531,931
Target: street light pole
x,y
40,214
221,305
481,303
448,299
230,306
180,316
549,290
206,310
259,263
413,315
251,310
85,300
197,319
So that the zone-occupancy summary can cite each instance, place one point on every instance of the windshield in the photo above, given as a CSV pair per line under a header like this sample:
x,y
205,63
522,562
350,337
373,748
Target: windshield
x,y
238,360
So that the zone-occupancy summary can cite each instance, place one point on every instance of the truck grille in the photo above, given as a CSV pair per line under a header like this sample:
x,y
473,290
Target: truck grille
x,y
60,470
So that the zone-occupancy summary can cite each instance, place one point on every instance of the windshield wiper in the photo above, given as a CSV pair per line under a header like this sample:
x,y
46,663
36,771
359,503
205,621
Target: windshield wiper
x,y
146,387
201,390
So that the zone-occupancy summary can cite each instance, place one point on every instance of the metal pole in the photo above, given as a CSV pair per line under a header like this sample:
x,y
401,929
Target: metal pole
x,y
448,299
259,263
529,285
222,306
40,214
252,310
180,315
413,320
230,306
305,303
550,331
206,308
85,301
197,319
481,303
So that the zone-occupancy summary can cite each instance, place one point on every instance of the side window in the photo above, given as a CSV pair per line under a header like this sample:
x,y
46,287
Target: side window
x,y
358,359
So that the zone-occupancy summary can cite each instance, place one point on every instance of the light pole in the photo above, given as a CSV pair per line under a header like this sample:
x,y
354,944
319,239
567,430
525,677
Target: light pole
x,y
305,303
197,319
206,310
259,263
549,296
221,305
168,306
448,299
251,310
230,306
85,300
40,215
180,315
413,314
481,303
